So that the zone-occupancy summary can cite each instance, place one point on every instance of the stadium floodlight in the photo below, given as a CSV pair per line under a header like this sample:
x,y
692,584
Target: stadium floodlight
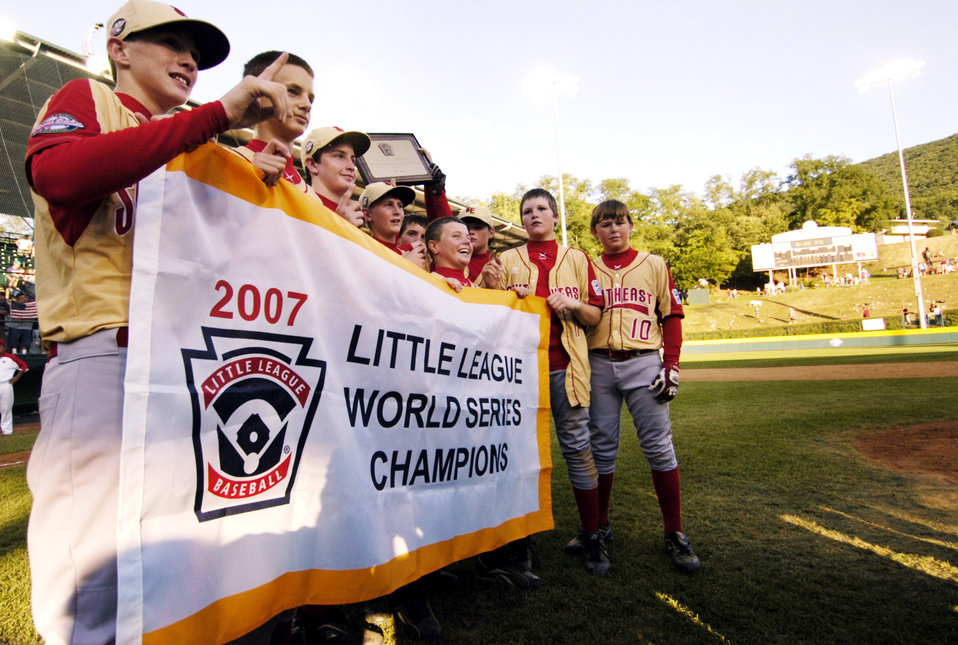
x,y
8,29
543,80
898,70
98,65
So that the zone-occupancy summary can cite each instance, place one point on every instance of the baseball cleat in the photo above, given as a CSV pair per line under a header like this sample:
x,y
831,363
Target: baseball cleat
x,y
683,557
574,547
416,617
335,627
511,574
597,560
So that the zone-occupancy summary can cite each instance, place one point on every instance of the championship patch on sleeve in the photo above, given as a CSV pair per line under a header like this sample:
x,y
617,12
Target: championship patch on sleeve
x,y
596,288
676,296
58,124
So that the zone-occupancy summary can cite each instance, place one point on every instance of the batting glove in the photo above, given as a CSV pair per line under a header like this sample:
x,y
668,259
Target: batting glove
x,y
438,182
666,384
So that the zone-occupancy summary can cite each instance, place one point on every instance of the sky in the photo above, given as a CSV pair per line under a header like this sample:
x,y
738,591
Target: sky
x,y
668,92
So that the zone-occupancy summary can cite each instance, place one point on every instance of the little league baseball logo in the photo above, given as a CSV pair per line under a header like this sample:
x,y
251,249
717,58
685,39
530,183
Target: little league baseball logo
x,y
254,395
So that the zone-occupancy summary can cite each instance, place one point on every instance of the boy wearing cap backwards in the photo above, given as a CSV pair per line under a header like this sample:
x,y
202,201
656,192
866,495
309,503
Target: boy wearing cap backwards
x,y
564,276
382,206
329,159
89,148
642,312
271,147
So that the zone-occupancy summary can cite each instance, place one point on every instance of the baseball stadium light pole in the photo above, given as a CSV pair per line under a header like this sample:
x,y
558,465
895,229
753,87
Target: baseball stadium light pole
x,y
899,70
555,106
540,81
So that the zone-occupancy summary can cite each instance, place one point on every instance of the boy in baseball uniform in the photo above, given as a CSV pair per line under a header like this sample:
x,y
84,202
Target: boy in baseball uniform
x,y
447,240
413,228
11,369
270,150
484,267
90,147
641,314
382,206
564,276
329,159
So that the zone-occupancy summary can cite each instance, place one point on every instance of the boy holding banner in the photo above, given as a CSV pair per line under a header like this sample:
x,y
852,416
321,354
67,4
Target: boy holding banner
x,y
88,150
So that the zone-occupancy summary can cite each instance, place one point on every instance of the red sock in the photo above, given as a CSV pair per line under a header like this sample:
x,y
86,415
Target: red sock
x,y
605,496
669,492
587,501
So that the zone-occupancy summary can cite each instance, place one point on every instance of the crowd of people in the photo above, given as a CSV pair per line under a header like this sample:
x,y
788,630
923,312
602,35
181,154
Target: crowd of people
x,y
615,333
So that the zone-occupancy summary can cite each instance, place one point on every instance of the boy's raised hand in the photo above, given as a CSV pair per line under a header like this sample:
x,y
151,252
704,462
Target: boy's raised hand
x,y
417,255
272,161
241,103
492,271
349,209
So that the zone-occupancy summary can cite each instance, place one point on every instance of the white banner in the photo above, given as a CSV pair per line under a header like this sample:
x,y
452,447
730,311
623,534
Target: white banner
x,y
309,418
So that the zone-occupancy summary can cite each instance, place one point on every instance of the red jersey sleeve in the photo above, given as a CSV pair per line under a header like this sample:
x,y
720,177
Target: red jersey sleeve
x,y
19,363
671,339
672,325
595,289
76,163
437,206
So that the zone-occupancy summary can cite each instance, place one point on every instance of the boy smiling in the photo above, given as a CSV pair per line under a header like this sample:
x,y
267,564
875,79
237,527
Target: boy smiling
x,y
87,152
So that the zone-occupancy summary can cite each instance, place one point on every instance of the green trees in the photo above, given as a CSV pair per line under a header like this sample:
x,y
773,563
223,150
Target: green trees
x,y
710,237
833,192
932,176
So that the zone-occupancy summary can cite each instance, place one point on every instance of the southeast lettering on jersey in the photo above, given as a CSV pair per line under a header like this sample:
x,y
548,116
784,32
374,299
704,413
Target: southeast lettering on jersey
x,y
397,350
627,298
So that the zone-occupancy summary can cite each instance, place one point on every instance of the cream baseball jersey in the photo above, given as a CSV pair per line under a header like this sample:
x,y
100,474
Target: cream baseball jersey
x,y
638,292
84,243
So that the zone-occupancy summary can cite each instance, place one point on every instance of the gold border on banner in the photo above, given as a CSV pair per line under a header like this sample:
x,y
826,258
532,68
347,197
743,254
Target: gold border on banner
x,y
235,615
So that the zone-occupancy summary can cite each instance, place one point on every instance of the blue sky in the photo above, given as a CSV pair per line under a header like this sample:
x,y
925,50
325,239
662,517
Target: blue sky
x,y
669,92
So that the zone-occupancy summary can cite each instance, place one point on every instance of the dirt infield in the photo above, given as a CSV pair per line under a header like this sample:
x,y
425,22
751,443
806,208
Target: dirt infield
x,y
927,451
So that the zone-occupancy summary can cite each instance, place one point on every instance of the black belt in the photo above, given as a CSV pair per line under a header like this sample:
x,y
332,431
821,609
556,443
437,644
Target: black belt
x,y
122,340
622,355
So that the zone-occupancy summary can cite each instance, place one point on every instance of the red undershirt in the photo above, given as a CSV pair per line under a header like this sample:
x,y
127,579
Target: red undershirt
x,y
458,274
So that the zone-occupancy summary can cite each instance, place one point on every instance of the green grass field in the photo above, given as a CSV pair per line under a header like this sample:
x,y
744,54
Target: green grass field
x,y
802,540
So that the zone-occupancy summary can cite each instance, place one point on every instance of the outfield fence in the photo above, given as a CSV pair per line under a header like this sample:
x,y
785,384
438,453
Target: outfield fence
x,y
885,338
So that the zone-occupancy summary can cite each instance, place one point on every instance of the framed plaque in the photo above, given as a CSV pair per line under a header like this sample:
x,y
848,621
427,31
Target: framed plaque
x,y
395,157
